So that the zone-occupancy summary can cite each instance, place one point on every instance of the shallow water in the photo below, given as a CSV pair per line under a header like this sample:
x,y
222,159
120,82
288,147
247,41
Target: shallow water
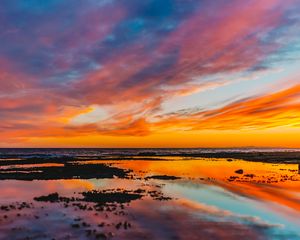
x,y
209,200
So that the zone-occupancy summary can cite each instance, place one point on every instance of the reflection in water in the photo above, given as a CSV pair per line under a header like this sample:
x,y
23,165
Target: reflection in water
x,y
210,200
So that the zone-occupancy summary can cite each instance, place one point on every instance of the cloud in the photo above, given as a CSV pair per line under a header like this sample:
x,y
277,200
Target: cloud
x,y
57,59
260,112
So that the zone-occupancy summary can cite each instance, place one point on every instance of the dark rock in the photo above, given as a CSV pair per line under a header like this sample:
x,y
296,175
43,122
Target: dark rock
x,y
249,175
100,236
53,197
75,225
110,197
118,225
162,177
68,171
240,171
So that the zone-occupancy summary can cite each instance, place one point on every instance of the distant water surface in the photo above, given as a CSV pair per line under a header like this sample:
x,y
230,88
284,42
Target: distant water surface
x,y
76,152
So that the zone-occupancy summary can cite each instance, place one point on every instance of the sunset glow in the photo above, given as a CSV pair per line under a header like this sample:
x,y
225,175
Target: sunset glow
x,y
107,73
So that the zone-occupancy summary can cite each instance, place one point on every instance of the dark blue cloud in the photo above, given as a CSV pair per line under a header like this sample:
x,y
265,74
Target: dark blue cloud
x,y
27,25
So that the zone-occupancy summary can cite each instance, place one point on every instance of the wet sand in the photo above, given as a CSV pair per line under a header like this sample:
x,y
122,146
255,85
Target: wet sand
x,y
149,197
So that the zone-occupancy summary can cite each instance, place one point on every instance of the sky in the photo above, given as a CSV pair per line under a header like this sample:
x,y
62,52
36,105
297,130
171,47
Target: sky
x,y
151,73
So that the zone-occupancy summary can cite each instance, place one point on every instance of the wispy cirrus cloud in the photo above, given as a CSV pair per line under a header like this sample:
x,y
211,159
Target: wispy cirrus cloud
x,y
266,111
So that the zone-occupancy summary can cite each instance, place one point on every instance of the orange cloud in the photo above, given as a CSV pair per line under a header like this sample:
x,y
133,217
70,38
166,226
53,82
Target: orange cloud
x,y
280,109
268,111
